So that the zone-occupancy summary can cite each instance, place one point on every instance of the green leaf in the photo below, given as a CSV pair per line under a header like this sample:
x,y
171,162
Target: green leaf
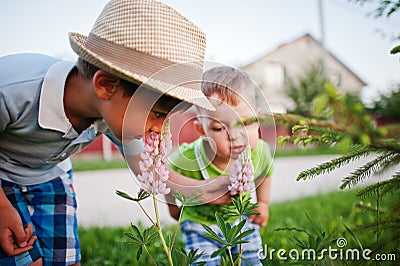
x,y
245,260
124,195
320,103
141,195
365,139
141,239
225,260
354,236
214,238
212,235
231,236
395,50
282,140
221,223
330,90
296,128
139,252
137,232
236,202
193,256
243,235
296,140
218,252
135,239
241,224
232,233
150,236
318,241
181,250
208,229
345,144
193,199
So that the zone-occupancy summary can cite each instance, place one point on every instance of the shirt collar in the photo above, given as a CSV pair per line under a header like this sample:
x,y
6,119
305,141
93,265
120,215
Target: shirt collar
x,y
51,105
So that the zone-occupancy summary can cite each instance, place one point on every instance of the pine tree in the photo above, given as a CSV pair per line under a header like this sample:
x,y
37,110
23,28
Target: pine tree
x,y
341,122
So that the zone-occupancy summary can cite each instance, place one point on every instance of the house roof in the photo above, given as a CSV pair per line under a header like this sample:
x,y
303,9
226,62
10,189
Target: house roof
x,y
308,37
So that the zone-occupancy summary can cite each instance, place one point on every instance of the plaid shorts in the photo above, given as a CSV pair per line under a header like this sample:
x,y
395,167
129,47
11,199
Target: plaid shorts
x,y
51,209
193,236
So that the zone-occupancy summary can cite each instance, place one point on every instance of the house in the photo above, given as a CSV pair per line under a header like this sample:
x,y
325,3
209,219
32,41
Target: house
x,y
292,60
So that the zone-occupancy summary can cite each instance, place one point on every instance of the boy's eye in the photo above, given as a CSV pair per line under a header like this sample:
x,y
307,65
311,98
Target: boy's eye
x,y
217,129
159,115
216,126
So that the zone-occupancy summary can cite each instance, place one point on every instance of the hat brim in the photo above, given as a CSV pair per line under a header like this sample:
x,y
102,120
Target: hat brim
x,y
179,91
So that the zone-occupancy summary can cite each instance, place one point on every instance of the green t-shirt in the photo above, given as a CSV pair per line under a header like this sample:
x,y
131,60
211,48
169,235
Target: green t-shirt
x,y
184,162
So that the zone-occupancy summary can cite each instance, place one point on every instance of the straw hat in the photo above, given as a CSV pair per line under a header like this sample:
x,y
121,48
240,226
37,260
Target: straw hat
x,y
145,41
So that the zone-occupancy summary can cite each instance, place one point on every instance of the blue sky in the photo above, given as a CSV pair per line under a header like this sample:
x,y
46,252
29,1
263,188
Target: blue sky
x,y
237,31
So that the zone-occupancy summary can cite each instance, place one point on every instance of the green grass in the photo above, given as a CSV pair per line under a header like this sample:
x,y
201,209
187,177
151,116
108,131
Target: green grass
x,y
330,211
321,216
299,151
81,164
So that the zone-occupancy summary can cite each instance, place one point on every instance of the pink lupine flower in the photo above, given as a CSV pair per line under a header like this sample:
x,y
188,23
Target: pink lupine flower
x,y
242,174
153,160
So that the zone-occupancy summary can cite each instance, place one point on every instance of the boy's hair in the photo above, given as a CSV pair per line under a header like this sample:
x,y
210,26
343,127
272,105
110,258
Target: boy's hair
x,y
229,84
88,70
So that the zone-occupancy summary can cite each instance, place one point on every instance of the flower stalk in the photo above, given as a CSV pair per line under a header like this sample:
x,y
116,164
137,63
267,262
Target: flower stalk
x,y
159,231
242,174
154,174
241,179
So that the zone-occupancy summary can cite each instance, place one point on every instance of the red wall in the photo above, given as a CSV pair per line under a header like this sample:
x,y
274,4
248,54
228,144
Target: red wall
x,y
183,131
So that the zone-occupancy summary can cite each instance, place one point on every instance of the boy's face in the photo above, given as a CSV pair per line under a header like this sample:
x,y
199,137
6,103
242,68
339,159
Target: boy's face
x,y
135,117
228,141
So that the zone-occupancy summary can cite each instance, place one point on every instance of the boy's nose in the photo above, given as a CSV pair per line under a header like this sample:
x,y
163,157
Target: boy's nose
x,y
235,133
157,126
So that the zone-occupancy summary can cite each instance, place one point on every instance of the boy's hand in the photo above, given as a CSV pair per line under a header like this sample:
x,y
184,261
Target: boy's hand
x,y
224,199
14,239
174,211
261,218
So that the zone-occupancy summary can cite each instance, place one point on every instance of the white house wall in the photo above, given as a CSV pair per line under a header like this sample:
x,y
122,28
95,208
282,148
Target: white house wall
x,y
295,59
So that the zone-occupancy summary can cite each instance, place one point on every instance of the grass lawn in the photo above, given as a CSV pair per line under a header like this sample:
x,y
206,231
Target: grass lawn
x,y
81,164
312,222
315,221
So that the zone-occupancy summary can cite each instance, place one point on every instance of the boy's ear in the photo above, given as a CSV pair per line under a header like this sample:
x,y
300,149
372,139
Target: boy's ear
x,y
198,127
105,84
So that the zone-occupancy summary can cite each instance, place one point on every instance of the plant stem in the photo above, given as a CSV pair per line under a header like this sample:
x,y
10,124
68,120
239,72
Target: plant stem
x,y
230,256
377,213
151,257
176,231
240,220
145,212
160,233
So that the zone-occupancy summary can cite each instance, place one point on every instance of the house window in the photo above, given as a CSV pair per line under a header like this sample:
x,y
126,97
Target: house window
x,y
274,74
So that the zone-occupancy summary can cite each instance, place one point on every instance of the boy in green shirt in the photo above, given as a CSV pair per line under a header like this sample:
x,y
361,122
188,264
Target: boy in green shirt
x,y
213,155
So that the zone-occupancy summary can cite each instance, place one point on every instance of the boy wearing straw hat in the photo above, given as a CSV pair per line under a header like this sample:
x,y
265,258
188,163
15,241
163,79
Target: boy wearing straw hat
x,y
50,109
